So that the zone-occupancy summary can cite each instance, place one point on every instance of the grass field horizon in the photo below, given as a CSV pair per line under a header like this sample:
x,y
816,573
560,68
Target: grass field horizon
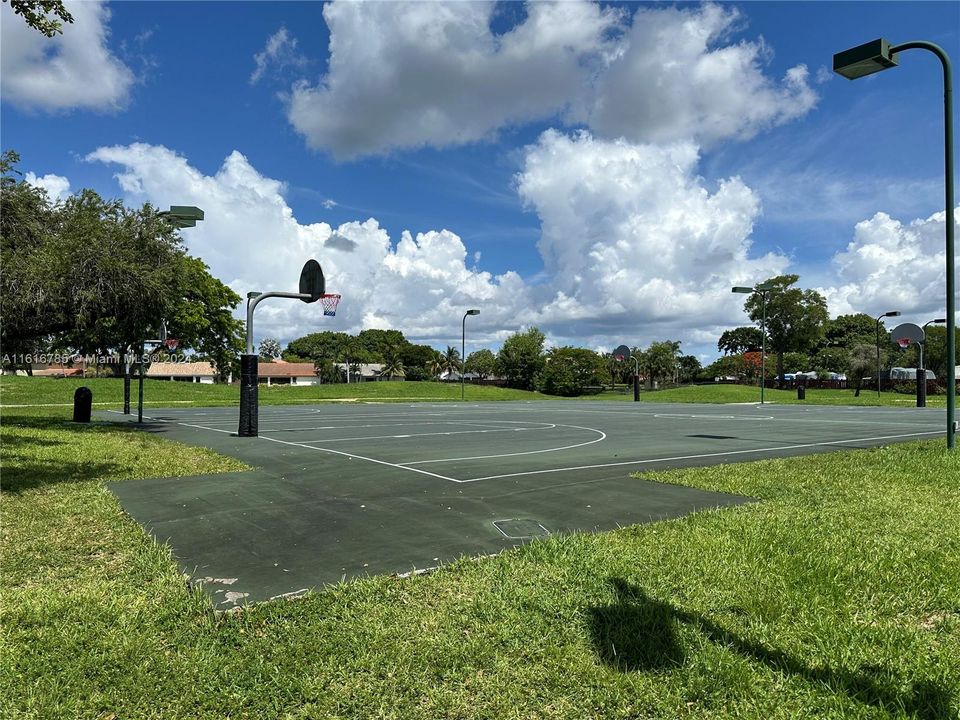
x,y
19,391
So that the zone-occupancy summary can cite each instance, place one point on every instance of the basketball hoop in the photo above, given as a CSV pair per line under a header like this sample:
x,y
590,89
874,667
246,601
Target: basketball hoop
x,y
330,302
171,344
904,343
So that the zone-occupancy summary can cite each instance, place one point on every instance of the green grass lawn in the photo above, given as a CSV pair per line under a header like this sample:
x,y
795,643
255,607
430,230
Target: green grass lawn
x,y
158,393
837,595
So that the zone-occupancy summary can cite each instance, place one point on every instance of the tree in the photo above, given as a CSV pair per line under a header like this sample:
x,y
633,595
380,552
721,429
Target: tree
x,y
520,360
831,359
393,367
482,363
568,370
96,276
417,358
689,368
795,318
740,340
450,362
845,331
660,361
861,361
269,349
377,343
36,13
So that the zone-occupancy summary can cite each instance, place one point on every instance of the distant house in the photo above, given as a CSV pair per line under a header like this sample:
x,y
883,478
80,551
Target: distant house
x,y
58,371
366,372
287,373
195,372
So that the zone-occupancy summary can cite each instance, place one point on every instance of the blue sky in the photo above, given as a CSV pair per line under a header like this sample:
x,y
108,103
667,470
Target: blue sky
x,y
603,171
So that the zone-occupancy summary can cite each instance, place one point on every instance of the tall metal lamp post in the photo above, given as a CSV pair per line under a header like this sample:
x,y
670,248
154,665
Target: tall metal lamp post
x,y
892,313
463,350
762,290
879,55
179,216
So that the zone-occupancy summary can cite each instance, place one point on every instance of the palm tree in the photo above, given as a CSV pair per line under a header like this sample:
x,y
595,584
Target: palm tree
x,y
435,366
451,360
393,367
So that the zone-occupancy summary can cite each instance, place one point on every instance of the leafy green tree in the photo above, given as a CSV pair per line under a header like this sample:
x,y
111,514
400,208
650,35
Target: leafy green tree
x,y
95,276
392,367
378,342
797,362
796,318
846,331
483,363
568,370
44,16
520,360
660,361
935,350
269,349
417,356
689,368
831,359
740,340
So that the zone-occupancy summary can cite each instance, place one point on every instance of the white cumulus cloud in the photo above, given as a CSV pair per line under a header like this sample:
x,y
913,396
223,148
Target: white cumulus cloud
x,y
677,76
890,265
404,75
632,239
417,74
70,71
635,248
56,186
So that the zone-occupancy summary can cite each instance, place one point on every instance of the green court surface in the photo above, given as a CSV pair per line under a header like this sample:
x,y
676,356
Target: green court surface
x,y
344,491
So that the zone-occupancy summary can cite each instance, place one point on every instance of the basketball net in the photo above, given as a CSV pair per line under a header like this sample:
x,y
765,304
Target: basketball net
x,y
171,344
904,343
330,302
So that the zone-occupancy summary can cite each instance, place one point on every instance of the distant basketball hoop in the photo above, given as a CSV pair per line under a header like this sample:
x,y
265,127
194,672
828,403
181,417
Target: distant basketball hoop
x,y
907,333
330,302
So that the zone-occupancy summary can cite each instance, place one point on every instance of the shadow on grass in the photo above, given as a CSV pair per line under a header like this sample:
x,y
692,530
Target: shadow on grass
x,y
638,633
27,463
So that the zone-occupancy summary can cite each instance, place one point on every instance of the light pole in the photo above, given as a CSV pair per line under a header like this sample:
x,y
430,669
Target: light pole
x,y
938,321
179,216
892,313
879,55
762,290
463,349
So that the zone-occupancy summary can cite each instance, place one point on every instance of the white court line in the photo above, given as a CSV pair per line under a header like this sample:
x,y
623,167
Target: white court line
x,y
549,426
358,457
703,455
602,434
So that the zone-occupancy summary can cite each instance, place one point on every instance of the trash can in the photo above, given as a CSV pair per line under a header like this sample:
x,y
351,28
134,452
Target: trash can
x,y
82,403
801,392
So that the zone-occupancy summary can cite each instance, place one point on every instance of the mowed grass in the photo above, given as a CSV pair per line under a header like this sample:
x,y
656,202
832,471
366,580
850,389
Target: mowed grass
x,y
15,390
836,595
108,392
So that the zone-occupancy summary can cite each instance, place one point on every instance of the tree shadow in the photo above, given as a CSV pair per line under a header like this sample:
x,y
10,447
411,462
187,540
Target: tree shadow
x,y
25,469
638,633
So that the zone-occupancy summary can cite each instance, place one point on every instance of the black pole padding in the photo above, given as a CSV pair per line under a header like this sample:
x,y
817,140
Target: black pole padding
x,y
921,387
248,396
126,389
82,404
636,388
801,390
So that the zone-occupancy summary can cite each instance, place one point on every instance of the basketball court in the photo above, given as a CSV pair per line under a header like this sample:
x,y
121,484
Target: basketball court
x,y
342,491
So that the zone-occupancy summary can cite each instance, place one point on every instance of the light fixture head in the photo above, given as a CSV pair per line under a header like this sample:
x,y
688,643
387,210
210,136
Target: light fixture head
x,y
741,289
863,60
473,312
892,313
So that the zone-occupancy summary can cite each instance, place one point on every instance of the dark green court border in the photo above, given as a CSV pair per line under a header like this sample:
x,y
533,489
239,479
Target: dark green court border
x,y
346,491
